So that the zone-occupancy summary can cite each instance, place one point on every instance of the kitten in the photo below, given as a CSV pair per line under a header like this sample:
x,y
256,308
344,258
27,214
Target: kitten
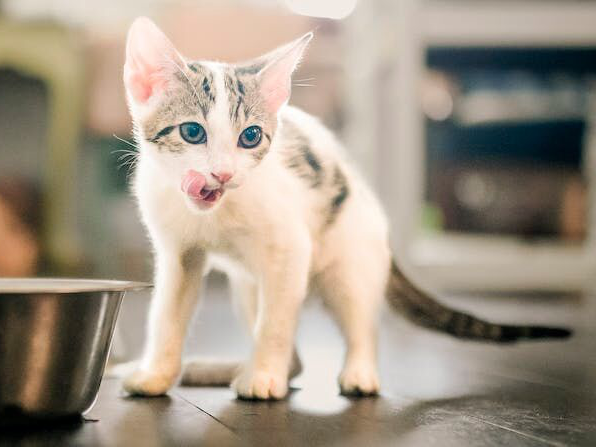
x,y
231,176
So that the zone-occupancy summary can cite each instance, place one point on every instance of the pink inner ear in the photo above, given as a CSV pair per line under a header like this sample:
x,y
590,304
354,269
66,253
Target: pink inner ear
x,y
144,85
137,86
276,92
276,78
150,60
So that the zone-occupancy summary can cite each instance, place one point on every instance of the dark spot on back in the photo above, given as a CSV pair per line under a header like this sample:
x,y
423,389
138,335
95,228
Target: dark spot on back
x,y
301,158
341,193
311,159
306,165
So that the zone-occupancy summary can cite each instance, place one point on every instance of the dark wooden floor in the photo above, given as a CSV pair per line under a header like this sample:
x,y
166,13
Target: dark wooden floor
x,y
436,390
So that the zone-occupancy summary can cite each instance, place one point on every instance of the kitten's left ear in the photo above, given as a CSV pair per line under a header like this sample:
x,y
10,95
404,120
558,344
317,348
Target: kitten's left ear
x,y
151,61
275,79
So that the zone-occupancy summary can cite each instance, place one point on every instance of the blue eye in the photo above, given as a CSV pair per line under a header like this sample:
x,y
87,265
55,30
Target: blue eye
x,y
193,133
250,137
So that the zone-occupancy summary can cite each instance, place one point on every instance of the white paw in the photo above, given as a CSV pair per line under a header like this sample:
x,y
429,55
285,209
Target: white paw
x,y
359,380
145,383
260,384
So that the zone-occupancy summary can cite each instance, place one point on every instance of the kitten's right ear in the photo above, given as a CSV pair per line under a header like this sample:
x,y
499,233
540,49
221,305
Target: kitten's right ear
x,y
151,60
275,79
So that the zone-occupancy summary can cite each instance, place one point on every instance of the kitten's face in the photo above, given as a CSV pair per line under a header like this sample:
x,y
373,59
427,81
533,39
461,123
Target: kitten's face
x,y
209,130
205,125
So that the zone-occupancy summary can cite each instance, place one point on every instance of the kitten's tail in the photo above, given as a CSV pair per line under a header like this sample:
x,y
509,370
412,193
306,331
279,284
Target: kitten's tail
x,y
423,310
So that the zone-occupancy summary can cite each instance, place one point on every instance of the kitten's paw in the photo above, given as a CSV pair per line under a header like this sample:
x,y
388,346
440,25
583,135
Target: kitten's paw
x,y
145,383
359,380
260,384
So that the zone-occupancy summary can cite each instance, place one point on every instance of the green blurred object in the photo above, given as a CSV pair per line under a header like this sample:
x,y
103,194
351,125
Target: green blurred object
x,y
432,219
53,54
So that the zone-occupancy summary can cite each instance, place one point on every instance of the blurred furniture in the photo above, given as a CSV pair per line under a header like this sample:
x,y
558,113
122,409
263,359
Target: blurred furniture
x,y
52,54
463,260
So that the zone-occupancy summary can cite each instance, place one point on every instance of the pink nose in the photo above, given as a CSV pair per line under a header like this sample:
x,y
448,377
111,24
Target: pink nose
x,y
222,177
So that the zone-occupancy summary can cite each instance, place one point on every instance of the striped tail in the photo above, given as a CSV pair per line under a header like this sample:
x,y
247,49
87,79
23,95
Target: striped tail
x,y
425,311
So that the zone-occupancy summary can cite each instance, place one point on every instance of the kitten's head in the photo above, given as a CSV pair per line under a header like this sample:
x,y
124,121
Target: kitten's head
x,y
206,125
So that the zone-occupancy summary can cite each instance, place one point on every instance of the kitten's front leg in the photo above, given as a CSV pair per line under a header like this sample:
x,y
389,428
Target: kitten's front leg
x,y
284,283
178,280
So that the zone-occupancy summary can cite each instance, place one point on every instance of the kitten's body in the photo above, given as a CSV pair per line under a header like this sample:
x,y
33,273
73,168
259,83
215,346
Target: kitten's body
x,y
298,217
309,216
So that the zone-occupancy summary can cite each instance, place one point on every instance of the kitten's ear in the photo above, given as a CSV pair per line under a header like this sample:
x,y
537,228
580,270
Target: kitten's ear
x,y
151,60
275,79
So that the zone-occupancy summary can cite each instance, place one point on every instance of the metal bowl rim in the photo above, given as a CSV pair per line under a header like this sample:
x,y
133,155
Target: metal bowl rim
x,y
67,285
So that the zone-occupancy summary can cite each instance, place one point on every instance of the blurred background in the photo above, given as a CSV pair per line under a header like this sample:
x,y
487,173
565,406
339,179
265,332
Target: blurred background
x,y
474,120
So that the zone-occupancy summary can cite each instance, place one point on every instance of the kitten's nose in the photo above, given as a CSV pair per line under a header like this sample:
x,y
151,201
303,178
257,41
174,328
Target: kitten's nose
x,y
222,177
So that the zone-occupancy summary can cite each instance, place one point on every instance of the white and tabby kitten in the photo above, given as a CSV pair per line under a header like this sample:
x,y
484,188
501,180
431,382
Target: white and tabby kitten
x,y
230,176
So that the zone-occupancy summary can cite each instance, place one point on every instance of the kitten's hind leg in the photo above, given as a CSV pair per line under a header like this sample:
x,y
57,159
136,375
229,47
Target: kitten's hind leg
x,y
245,298
354,291
213,372
208,372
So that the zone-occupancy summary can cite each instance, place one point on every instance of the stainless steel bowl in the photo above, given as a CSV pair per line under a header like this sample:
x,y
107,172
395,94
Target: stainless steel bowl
x,y
55,338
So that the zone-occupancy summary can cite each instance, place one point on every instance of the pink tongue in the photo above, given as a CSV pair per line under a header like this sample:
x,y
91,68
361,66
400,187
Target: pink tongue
x,y
192,184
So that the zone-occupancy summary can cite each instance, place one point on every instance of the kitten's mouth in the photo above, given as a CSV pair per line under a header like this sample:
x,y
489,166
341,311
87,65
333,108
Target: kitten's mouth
x,y
211,195
194,185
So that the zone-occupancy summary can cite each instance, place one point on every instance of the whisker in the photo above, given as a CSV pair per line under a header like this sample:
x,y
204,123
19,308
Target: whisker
x,y
125,141
303,85
126,151
127,160
127,156
129,164
115,151
304,80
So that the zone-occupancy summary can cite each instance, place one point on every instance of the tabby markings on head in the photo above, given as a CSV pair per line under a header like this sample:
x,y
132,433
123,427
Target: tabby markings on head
x,y
195,89
206,92
237,95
